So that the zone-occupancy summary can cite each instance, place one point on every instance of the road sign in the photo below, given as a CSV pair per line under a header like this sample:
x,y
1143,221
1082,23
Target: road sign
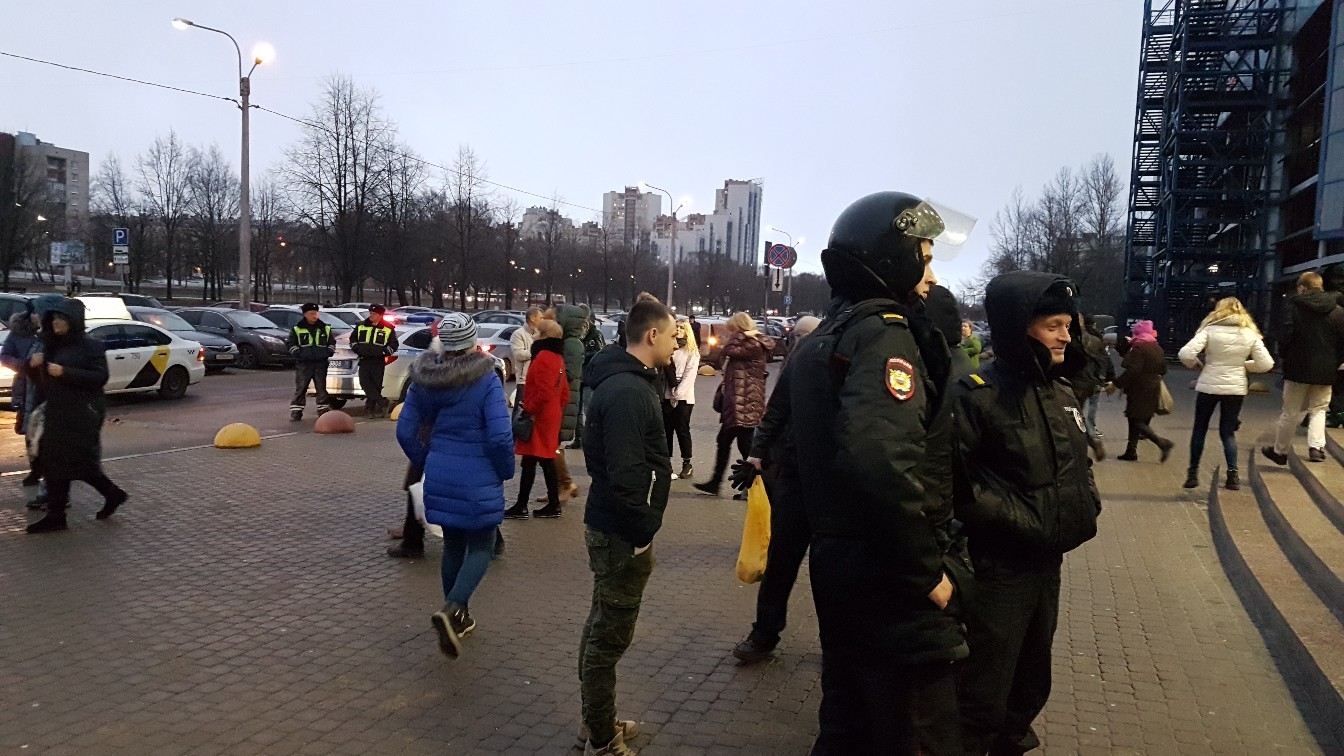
x,y
58,253
121,254
778,256
776,279
121,237
788,299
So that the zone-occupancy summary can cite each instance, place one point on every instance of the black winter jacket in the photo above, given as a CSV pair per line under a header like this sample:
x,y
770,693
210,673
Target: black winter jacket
x,y
1311,342
1022,478
863,393
373,341
70,444
625,448
310,342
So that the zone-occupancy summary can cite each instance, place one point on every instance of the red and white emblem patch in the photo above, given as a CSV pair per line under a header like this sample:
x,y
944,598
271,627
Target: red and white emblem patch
x,y
900,378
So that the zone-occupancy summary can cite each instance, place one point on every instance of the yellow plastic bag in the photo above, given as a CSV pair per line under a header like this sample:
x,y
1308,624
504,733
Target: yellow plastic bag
x,y
755,535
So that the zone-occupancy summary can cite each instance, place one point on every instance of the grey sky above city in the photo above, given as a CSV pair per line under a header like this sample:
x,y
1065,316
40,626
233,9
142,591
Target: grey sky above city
x,y
960,101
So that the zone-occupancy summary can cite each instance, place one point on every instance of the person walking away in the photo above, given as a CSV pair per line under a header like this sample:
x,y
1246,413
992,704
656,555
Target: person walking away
x,y
745,350
466,459
373,341
572,320
593,342
311,346
775,456
520,346
1232,347
864,389
14,353
695,331
625,448
545,404
1023,489
71,371
1144,365
970,344
679,401
1097,373
1311,348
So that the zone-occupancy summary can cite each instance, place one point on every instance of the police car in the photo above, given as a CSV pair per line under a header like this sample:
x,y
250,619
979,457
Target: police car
x,y
142,358
343,369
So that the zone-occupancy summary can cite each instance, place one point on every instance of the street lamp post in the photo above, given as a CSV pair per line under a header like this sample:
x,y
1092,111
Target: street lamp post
x,y
672,255
244,168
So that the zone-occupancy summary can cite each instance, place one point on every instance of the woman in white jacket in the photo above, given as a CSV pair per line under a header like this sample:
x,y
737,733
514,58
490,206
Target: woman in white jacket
x,y
680,399
1232,346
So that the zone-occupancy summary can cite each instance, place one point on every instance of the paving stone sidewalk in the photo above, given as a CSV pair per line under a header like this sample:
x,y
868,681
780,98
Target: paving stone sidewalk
x,y
242,603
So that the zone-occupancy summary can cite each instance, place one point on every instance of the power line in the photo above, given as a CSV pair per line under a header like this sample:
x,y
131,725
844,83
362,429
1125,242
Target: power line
x,y
115,76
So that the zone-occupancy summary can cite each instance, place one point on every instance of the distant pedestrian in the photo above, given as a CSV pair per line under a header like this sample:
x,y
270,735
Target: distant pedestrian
x,y
970,344
944,311
679,399
1311,348
1023,488
625,448
1232,346
573,322
695,331
520,346
311,345
373,341
466,458
14,353
70,372
1096,375
34,487
593,342
741,396
1144,365
545,404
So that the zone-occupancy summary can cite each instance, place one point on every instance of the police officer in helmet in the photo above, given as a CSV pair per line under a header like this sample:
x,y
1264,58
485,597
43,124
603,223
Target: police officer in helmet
x,y
373,341
864,390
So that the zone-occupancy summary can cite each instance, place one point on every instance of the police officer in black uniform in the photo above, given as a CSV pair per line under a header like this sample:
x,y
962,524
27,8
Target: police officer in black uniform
x,y
311,345
373,341
864,390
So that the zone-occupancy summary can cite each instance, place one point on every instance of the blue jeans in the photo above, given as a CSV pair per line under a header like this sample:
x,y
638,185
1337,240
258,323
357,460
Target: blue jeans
x,y
1091,414
466,556
1229,419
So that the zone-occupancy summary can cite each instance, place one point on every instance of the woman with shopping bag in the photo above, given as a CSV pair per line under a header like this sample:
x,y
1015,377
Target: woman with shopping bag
x,y
1144,365
742,395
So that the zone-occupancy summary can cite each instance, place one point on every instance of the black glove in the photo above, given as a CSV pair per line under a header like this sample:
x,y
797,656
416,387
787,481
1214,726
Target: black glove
x,y
744,474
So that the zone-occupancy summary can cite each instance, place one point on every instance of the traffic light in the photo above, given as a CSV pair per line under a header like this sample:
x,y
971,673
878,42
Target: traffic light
x,y
766,257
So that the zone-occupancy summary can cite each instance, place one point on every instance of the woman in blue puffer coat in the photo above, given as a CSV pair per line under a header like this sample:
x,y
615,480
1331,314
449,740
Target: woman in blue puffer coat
x,y
467,455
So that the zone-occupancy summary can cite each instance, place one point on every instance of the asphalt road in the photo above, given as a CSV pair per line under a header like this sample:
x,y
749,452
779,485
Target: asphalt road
x,y
144,423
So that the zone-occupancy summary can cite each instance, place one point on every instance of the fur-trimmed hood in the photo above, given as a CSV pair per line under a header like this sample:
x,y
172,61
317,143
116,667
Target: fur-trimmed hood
x,y
435,370
21,325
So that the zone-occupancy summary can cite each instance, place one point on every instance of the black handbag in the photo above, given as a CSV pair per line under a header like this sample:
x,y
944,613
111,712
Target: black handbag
x,y
522,427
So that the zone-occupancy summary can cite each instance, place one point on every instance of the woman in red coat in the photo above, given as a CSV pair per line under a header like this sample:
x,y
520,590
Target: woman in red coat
x,y
545,399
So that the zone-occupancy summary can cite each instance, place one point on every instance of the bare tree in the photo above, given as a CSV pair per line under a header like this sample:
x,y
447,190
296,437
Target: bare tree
x,y
401,210
268,226
24,209
164,185
508,215
469,214
213,190
114,204
337,174
552,239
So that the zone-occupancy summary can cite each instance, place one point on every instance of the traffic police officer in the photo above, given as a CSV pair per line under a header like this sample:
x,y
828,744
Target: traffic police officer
x,y
373,341
311,345
864,391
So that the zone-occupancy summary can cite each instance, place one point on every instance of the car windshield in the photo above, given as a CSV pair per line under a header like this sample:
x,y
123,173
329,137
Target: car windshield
x,y
166,320
249,320
333,321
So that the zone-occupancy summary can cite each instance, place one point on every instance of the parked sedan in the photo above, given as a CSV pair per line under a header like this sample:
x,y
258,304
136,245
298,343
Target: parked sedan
x,y
143,358
130,300
259,341
505,317
285,317
232,304
219,351
495,338
343,370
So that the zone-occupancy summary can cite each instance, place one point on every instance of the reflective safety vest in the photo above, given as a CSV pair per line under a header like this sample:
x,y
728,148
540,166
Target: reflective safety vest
x,y
378,335
319,336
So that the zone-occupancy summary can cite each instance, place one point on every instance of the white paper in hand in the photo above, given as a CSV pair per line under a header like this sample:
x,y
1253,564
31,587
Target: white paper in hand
x,y
417,491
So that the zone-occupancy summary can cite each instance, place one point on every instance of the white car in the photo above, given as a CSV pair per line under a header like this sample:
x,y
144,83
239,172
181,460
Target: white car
x,y
143,358
343,369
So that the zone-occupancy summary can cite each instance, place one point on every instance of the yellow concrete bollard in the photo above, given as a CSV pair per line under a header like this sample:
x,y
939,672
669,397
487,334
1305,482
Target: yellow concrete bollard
x,y
237,436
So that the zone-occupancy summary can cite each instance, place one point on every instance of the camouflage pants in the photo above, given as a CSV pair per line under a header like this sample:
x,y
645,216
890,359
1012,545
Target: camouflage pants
x,y
619,577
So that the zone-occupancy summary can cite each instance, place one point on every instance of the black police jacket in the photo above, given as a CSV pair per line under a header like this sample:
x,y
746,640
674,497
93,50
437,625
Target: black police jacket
x,y
1022,478
862,405
373,341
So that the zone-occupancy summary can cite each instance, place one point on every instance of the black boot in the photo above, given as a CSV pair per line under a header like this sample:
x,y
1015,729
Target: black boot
x,y
295,415
406,550
1191,479
710,487
1131,452
516,512
52,522
1166,446
1233,480
755,648
450,622
1274,456
548,511
110,506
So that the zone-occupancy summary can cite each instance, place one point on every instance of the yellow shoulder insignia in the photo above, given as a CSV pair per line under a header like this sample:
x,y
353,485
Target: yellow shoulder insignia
x,y
892,316
973,380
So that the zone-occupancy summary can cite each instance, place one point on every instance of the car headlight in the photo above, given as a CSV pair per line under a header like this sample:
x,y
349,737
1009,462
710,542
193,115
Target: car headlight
x,y
273,341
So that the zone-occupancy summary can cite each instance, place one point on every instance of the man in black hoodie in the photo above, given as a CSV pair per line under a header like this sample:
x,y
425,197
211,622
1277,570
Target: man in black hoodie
x,y
1023,489
1311,346
625,448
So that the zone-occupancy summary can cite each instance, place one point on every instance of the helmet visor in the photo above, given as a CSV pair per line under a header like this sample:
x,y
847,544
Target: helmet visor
x,y
939,224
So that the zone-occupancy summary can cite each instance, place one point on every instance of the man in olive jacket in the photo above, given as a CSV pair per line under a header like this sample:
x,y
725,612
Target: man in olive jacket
x,y
573,321
625,448
1023,488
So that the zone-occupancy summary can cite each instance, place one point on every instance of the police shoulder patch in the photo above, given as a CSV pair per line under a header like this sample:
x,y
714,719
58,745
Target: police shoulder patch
x,y
973,380
900,378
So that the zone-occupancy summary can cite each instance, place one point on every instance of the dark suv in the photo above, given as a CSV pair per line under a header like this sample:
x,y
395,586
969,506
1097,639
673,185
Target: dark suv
x,y
259,341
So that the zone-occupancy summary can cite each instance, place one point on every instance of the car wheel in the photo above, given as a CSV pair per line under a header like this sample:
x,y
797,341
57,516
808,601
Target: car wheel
x,y
175,382
335,403
248,359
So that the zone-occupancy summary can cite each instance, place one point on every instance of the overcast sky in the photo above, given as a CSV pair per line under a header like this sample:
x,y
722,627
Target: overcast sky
x,y
957,100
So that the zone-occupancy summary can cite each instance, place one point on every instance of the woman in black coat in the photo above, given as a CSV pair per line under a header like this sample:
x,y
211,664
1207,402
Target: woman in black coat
x,y
70,373
1144,366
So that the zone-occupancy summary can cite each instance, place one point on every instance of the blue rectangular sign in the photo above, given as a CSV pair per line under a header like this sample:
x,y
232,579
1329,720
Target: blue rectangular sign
x,y
121,237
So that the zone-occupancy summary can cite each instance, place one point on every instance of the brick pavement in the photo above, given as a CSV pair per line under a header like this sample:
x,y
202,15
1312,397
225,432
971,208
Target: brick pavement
x,y
241,603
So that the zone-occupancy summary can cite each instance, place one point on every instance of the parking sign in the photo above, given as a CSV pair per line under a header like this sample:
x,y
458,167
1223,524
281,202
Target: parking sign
x,y
121,237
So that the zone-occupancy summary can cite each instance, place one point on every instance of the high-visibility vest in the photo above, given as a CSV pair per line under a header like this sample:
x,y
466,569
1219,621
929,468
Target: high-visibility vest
x,y
378,335
306,337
